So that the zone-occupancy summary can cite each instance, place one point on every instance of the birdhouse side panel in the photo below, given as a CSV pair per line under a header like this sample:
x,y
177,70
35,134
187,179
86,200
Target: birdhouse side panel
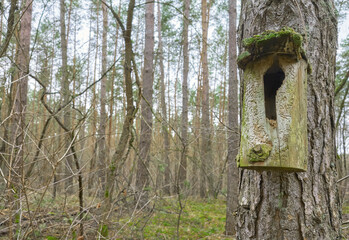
x,y
292,116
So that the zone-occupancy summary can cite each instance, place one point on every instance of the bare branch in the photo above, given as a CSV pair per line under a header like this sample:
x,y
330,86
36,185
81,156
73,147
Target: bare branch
x,y
341,85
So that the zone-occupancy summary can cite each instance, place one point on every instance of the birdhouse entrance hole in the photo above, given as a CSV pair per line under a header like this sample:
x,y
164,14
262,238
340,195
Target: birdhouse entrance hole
x,y
273,79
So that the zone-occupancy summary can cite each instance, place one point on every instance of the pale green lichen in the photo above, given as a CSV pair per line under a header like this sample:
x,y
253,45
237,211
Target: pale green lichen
x,y
259,153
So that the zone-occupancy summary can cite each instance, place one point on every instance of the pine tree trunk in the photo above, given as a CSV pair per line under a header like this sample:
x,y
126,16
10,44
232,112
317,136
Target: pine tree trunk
x,y
11,27
90,180
1,23
276,205
21,90
183,164
196,131
142,178
233,131
205,154
103,115
66,95
18,124
93,128
167,184
111,104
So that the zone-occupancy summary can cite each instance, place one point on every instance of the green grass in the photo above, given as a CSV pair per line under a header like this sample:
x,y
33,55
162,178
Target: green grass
x,y
345,209
199,220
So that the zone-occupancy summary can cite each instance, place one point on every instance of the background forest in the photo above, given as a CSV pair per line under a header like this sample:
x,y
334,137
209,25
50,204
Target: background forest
x,y
115,134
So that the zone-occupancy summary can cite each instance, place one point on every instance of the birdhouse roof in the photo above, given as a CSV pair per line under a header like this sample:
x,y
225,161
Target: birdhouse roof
x,y
284,42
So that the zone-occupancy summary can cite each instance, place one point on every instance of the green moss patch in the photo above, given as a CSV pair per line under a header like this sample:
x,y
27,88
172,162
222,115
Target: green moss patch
x,y
286,42
243,55
270,36
259,153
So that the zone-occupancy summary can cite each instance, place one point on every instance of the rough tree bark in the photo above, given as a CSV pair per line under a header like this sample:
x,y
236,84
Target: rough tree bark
x,y
275,205
65,96
167,184
102,156
233,131
183,164
205,154
93,127
20,90
111,103
142,177
10,28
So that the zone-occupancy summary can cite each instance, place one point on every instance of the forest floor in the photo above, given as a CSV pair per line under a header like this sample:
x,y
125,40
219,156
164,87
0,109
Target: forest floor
x,y
58,219
345,216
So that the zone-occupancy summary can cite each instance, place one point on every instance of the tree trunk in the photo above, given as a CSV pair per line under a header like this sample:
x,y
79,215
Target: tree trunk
x,y
126,137
93,128
183,164
11,27
142,177
18,126
205,154
233,131
195,179
276,205
111,104
21,89
66,95
103,115
167,184
1,22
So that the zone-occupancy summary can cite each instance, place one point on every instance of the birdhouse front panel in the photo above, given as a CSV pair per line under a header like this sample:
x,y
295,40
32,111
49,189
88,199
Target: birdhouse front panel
x,y
274,120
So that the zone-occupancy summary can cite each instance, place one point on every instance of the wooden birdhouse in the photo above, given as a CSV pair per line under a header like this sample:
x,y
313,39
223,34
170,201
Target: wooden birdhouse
x,y
274,116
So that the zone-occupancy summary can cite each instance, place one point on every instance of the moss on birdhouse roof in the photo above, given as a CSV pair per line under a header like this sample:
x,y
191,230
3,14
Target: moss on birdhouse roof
x,y
286,42
270,36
